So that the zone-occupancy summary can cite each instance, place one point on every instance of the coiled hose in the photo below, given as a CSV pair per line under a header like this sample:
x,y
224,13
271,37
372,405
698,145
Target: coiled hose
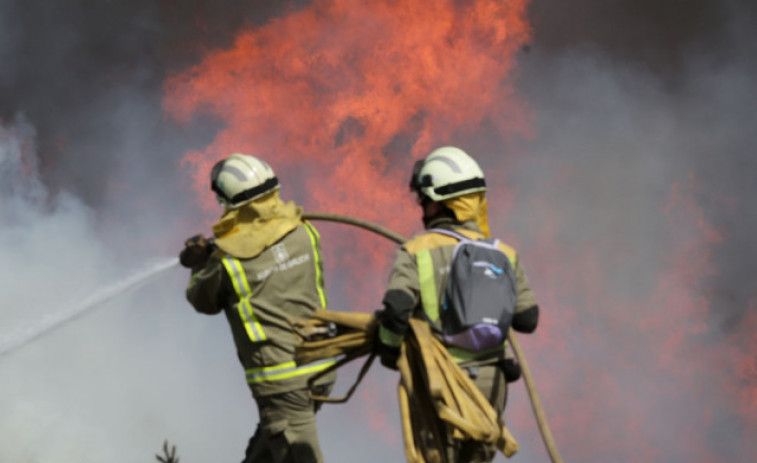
x,y
528,379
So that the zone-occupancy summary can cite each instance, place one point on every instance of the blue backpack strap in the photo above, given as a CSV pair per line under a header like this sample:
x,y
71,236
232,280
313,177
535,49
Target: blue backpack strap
x,y
458,236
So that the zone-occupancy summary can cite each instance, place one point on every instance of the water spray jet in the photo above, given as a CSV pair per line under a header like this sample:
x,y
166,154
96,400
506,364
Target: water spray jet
x,y
52,321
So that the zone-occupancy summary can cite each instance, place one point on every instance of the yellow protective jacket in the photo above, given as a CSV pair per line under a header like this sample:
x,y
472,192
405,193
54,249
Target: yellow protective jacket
x,y
257,295
404,298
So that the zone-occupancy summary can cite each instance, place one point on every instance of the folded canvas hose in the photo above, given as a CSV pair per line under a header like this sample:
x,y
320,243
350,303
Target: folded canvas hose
x,y
435,394
445,399
354,339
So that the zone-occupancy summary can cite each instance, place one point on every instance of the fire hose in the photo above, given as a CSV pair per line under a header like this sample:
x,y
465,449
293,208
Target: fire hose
x,y
528,379
438,400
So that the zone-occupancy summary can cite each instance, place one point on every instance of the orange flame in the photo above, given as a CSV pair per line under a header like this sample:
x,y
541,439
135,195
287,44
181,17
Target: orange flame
x,y
340,95
650,379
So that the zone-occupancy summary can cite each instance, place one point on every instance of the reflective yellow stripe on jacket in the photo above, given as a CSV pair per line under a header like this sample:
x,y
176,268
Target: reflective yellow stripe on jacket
x,y
244,307
286,370
429,298
314,238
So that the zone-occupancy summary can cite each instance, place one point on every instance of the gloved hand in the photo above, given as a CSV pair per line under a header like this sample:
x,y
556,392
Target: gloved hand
x,y
511,369
387,354
196,252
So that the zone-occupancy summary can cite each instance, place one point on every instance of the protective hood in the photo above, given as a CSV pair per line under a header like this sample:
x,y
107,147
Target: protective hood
x,y
471,206
245,232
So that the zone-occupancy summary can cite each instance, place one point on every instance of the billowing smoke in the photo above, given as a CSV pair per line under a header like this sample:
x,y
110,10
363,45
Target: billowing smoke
x,y
627,194
639,232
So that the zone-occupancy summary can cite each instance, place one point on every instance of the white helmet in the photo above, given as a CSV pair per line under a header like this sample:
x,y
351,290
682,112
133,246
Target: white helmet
x,y
240,178
446,173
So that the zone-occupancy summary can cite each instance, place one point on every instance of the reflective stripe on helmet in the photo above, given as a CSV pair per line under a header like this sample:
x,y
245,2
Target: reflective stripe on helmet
x,y
244,307
450,163
286,370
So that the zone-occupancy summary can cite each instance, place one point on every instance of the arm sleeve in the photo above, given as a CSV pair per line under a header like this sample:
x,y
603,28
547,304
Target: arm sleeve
x,y
205,286
400,299
526,309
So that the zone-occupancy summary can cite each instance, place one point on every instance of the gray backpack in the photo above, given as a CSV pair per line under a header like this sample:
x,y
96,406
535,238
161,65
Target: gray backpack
x,y
479,299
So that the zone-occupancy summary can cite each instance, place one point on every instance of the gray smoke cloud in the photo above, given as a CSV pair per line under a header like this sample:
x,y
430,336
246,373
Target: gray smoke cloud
x,y
629,98
114,383
634,100
637,190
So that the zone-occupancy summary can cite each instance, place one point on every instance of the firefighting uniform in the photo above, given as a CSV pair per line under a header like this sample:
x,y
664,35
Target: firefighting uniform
x,y
258,294
416,287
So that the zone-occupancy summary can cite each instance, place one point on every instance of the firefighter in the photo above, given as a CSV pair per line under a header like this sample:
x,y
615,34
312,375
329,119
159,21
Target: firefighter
x,y
450,189
263,266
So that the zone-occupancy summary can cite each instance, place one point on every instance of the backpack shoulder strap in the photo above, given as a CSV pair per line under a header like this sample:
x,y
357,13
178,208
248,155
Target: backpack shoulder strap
x,y
490,243
453,234
426,278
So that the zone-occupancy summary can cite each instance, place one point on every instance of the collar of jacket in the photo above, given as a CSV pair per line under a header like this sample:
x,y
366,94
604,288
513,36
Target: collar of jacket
x,y
426,240
247,231
448,223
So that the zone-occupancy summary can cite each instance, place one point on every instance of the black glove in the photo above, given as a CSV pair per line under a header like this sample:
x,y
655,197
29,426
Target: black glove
x,y
511,369
196,252
387,354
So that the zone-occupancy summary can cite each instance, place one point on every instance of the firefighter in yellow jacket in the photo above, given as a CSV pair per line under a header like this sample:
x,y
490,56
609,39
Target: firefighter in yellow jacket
x,y
263,266
450,187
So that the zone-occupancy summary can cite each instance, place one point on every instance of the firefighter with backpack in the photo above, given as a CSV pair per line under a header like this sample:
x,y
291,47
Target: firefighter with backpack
x,y
469,288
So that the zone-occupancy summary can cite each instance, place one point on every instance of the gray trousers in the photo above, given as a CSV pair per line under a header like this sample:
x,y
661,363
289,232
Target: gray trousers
x,y
287,431
490,380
